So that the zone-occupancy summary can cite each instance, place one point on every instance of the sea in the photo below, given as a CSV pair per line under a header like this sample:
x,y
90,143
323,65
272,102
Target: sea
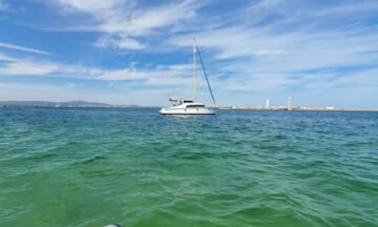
x,y
98,166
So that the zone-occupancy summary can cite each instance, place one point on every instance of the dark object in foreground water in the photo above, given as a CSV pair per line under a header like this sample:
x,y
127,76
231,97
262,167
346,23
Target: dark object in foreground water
x,y
113,225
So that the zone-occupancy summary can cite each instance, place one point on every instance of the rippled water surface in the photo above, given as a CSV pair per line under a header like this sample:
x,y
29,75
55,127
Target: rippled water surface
x,y
91,167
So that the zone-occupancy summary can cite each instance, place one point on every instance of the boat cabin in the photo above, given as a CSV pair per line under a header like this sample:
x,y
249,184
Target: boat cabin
x,y
177,102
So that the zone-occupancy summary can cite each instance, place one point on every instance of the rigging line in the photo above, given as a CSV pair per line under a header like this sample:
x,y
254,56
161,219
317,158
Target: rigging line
x,y
204,72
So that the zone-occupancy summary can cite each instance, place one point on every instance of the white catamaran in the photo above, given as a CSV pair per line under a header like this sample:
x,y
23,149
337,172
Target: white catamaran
x,y
191,106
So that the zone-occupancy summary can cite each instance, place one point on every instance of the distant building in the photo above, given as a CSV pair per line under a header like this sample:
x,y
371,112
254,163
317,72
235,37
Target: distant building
x,y
289,103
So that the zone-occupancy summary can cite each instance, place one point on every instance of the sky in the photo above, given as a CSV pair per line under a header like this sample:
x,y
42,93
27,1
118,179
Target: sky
x,y
320,52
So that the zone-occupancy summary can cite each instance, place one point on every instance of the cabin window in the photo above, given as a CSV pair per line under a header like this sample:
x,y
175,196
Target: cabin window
x,y
194,106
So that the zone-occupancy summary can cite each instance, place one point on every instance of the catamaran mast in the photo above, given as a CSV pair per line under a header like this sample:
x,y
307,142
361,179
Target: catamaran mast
x,y
195,76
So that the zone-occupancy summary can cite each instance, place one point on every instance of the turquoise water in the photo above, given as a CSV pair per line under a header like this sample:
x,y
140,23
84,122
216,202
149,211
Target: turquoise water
x,y
91,167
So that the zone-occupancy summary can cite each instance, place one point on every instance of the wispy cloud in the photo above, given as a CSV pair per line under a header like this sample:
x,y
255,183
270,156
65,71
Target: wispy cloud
x,y
27,68
23,48
252,49
348,9
125,21
136,81
259,55
160,75
119,42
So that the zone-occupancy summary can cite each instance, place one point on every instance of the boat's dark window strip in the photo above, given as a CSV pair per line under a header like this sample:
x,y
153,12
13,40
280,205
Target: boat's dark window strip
x,y
194,106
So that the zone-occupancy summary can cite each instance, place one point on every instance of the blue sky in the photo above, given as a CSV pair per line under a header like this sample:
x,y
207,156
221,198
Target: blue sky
x,y
139,52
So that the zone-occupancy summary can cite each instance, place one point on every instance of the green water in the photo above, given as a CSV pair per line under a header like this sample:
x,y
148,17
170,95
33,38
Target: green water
x,y
92,167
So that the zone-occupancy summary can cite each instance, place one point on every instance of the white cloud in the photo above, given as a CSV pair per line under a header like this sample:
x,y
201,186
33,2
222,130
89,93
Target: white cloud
x,y
271,47
4,57
119,42
249,57
144,21
23,48
92,6
348,9
236,42
27,68
160,75
123,21
135,82
172,75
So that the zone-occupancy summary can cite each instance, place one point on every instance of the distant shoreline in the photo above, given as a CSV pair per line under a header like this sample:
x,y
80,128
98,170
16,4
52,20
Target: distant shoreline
x,y
85,104
72,104
299,109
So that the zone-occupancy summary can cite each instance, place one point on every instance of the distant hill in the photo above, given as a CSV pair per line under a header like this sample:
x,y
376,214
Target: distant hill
x,y
58,104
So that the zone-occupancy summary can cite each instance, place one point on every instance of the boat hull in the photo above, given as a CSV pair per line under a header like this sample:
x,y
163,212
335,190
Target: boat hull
x,y
186,111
